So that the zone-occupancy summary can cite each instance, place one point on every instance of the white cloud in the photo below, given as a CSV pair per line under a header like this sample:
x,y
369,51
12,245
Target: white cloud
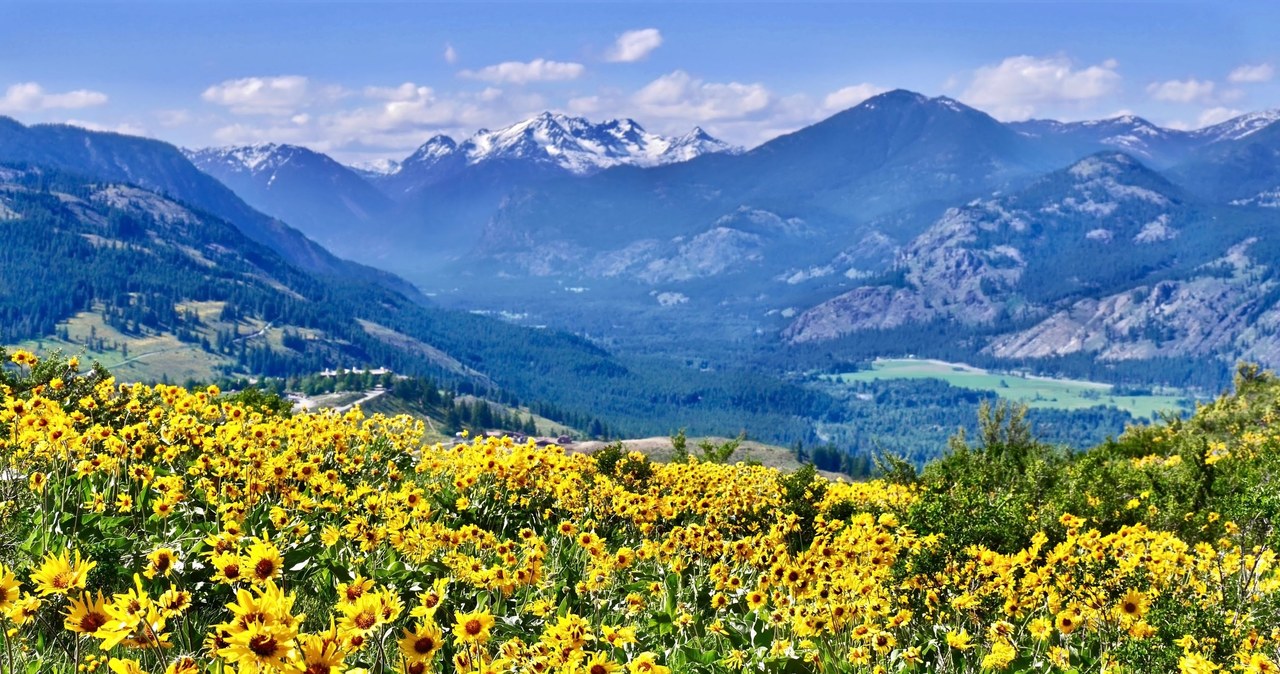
x,y
680,95
843,99
1181,91
634,45
281,95
516,72
586,105
246,134
1216,116
172,118
1017,86
405,92
127,128
409,106
742,114
389,121
450,54
31,97
1251,73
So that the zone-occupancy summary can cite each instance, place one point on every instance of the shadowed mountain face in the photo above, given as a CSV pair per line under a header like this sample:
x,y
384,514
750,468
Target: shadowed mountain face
x,y
329,201
162,168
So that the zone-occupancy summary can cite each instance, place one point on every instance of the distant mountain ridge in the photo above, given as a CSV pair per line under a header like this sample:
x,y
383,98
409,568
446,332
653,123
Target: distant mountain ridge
x,y
163,168
305,188
441,186
783,233
574,144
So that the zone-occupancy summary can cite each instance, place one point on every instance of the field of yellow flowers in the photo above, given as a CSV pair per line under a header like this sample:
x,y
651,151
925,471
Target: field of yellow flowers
x,y
156,529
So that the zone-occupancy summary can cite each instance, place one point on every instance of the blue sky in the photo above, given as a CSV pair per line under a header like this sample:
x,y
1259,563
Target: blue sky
x,y
362,80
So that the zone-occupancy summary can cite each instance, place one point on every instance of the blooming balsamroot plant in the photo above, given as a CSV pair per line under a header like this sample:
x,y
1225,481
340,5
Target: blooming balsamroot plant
x,y
155,529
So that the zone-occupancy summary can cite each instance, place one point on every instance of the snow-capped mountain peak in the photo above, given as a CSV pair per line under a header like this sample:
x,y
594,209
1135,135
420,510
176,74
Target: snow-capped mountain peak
x,y
433,149
251,158
574,144
375,167
695,143
1240,127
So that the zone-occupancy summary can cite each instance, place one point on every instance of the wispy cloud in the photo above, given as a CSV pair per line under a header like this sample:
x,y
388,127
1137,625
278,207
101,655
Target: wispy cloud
x,y
280,95
517,72
1261,72
741,113
634,45
681,95
389,121
127,128
1018,86
843,99
450,54
1217,115
1181,91
31,97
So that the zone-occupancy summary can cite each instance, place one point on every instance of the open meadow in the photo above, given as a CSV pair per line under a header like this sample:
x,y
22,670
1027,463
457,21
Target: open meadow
x,y
1029,390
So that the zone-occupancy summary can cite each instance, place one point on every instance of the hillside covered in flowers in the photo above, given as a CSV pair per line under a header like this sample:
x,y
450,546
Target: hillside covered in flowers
x,y
157,529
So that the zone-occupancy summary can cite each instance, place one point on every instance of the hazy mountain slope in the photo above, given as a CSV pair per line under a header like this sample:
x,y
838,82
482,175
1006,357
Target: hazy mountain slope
x,y
76,245
108,267
312,192
1242,167
835,177
161,167
1134,135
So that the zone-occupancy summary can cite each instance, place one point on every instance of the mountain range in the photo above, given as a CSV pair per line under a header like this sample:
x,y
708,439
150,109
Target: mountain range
x,y
865,222
119,248
904,225
329,200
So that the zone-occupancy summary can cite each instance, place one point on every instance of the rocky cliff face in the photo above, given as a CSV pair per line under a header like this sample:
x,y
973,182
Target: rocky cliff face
x,y
945,274
1211,314
1104,258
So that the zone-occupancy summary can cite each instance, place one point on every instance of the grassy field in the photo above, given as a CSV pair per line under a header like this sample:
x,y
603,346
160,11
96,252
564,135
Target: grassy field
x,y
1041,392
150,356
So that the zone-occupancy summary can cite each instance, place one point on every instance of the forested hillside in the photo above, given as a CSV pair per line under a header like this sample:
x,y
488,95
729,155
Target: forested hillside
x,y
100,266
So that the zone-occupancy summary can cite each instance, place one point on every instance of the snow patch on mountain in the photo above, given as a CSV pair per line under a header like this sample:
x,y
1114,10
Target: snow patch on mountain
x,y
798,276
377,167
574,144
670,299
1157,230
1239,127
1264,199
254,159
1099,234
